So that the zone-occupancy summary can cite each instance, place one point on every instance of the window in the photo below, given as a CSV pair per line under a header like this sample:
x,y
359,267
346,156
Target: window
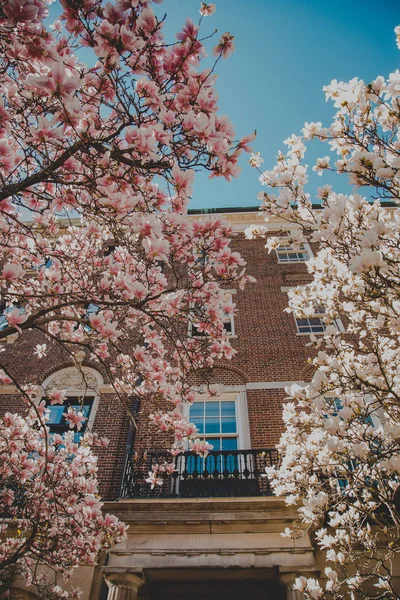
x,y
109,249
227,320
200,258
3,319
5,311
227,317
310,325
39,263
57,422
47,263
286,254
91,309
316,324
337,405
216,422
82,388
224,424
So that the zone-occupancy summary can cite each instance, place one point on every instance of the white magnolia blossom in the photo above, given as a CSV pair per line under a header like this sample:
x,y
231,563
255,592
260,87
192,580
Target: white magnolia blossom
x,y
340,452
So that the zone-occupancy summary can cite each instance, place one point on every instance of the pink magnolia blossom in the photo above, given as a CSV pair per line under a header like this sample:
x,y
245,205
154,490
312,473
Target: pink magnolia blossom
x,y
12,271
112,285
225,46
206,10
39,470
57,82
56,396
201,447
75,418
15,318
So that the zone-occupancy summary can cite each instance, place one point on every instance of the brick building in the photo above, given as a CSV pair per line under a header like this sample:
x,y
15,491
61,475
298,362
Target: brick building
x,y
213,529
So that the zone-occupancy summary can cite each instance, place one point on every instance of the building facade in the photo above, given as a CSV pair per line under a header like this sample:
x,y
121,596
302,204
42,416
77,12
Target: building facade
x,y
212,530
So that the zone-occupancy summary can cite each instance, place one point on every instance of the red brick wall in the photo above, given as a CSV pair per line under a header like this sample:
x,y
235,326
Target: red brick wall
x,y
265,417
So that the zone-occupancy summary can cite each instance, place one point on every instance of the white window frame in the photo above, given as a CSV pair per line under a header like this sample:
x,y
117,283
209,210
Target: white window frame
x,y
336,323
242,420
317,315
76,392
288,248
376,420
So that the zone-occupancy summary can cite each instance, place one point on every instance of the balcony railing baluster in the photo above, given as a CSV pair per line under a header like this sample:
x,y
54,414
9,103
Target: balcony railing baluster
x,y
223,473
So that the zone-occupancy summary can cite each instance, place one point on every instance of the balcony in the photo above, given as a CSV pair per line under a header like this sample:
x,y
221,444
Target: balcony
x,y
223,473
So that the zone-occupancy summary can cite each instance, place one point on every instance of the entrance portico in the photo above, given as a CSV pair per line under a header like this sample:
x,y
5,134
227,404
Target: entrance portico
x,y
212,548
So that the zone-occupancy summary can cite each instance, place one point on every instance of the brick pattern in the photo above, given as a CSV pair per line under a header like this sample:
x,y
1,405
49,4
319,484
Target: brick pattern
x,y
265,417
111,421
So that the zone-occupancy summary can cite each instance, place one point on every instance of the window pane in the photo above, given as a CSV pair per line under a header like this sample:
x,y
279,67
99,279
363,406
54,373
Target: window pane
x,y
227,409
195,332
228,425
199,424
85,409
338,404
228,326
212,409
216,442
287,254
317,325
56,413
229,443
196,410
310,325
302,322
57,422
212,425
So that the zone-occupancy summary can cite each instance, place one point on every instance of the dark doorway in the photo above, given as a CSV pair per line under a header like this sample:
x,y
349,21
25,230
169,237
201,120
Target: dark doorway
x,y
216,590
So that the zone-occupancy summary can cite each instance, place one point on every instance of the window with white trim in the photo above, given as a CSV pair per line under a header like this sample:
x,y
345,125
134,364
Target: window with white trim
x,y
6,310
223,423
315,324
227,317
285,253
336,405
57,422
227,320
216,421
82,393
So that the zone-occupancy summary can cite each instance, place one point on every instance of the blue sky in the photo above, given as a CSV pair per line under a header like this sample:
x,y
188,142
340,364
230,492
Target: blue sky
x,y
286,51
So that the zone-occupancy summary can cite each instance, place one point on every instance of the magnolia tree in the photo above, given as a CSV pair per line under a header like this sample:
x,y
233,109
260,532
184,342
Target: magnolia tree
x,y
340,452
49,491
97,162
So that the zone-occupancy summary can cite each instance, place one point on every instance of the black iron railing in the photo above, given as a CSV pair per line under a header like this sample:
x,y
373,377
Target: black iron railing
x,y
223,473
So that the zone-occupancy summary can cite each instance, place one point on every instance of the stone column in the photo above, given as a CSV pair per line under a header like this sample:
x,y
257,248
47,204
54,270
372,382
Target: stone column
x,y
124,585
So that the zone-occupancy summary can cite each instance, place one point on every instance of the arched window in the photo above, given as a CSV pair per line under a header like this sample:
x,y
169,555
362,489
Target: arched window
x,y
82,391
